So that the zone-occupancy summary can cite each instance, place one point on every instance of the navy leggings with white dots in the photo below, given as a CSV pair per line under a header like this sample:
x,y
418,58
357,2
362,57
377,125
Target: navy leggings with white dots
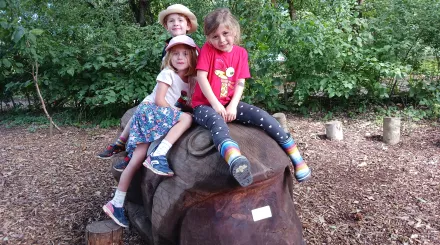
x,y
247,114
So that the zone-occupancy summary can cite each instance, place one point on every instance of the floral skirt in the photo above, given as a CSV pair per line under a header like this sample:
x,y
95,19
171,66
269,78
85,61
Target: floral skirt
x,y
149,123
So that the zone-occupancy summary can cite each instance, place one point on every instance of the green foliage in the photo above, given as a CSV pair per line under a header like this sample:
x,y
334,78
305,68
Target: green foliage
x,y
94,56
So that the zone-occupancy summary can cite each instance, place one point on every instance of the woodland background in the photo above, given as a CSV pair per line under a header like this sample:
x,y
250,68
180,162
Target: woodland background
x,y
96,58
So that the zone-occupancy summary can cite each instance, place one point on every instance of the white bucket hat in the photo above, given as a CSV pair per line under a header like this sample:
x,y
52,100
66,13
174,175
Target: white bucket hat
x,y
179,9
182,39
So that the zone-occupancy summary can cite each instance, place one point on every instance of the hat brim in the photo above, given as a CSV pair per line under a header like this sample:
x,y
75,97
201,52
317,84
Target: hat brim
x,y
192,18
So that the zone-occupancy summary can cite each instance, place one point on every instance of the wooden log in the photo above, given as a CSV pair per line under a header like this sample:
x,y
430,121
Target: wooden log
x,y
104,232
281,118
333,130
391,130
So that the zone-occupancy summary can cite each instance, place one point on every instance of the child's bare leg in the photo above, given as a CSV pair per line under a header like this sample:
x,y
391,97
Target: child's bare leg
x,y
157,161
126,132
133,166
183,124
114,208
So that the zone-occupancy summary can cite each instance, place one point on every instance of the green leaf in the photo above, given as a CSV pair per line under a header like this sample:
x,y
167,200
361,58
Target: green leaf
x,y
18,34
4,25
100,58
71,71
37,32
7,63
2,4
32,38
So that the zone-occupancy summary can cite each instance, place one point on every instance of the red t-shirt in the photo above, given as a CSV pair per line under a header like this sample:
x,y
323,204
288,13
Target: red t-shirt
x,y
224,69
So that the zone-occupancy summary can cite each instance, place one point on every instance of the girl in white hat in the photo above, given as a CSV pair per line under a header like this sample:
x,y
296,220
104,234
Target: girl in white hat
x,y
157,116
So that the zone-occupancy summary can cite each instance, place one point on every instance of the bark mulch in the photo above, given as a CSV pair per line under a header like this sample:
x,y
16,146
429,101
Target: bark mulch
x,y
362,191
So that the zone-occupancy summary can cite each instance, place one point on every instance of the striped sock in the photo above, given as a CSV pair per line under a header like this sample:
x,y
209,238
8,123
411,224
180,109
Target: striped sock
x,y
121,141
302,171
229,150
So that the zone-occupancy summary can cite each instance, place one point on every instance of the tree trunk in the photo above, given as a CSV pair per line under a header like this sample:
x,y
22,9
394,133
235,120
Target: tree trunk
x,y
391,130
333,130
103,233
359,7
142,11
292,10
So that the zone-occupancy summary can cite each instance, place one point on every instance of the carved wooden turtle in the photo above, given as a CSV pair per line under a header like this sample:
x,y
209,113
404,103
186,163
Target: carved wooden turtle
x,y
203,204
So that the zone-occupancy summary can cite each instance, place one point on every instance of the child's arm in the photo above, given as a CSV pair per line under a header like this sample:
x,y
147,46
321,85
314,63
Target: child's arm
x,y
231,109
161,91
202,79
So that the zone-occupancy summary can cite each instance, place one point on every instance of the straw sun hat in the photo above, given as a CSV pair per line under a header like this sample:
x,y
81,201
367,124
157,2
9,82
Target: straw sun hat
x,y
179,9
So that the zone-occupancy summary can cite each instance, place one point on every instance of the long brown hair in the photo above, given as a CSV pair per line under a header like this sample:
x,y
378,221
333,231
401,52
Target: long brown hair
x,y
191,73
192,60
221,16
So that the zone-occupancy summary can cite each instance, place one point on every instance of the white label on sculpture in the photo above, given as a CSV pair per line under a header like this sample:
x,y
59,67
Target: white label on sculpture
x,y
261,213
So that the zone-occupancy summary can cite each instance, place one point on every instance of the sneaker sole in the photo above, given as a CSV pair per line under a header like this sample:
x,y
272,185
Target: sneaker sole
x,y
105,158
119,170
109,213
150,167
241,170
305,178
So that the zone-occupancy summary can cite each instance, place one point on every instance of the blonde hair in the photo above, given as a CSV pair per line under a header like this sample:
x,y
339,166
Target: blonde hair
x,y
221,16
191,73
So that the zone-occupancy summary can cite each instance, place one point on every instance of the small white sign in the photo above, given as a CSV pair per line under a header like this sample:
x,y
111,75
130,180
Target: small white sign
x,y
261,213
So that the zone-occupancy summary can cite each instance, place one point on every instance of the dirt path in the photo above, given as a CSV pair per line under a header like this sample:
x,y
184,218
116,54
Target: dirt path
x,y
363,192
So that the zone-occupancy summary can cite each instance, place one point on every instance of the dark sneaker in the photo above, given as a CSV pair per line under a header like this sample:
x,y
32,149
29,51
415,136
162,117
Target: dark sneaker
x,y
120,166
117,214
110,151
240,168
159,165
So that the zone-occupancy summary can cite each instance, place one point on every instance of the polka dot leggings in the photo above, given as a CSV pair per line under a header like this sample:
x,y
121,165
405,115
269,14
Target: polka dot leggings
x,y
247,114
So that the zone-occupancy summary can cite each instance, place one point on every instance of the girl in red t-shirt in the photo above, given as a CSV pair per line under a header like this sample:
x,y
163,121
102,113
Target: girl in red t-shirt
x,y
222,69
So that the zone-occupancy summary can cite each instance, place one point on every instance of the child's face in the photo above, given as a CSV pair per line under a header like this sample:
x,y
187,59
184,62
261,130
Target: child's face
x,y
177,24
222,38
180,57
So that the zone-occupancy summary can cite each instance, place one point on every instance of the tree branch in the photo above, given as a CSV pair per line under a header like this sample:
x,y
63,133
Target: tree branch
x,y
35,76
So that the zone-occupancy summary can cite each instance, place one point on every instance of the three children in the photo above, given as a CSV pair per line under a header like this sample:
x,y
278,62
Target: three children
x,y
222,69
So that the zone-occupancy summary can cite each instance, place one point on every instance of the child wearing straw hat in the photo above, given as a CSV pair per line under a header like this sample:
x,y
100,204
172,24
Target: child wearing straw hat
x,y
178,20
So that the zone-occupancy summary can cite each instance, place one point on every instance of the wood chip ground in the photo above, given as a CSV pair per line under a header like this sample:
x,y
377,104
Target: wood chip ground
x,y
362,191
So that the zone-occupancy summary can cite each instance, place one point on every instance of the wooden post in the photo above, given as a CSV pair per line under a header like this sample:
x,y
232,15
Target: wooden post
x,y
333,130
104,232
281,118
391,130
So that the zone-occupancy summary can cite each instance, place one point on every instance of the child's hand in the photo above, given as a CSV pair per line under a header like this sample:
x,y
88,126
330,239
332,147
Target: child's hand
x,y
231,113
220,109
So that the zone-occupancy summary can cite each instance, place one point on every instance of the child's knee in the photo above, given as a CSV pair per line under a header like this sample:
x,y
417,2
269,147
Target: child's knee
x,y
186,119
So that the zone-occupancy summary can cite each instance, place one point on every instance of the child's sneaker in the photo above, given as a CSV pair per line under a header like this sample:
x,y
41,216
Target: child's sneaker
x,y
117,214
159,165
120,166
241,170
110,151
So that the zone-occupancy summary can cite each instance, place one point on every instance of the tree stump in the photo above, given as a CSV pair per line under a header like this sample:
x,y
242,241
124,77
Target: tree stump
x,y
333,130
391,130
104,232
281,118
203,204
